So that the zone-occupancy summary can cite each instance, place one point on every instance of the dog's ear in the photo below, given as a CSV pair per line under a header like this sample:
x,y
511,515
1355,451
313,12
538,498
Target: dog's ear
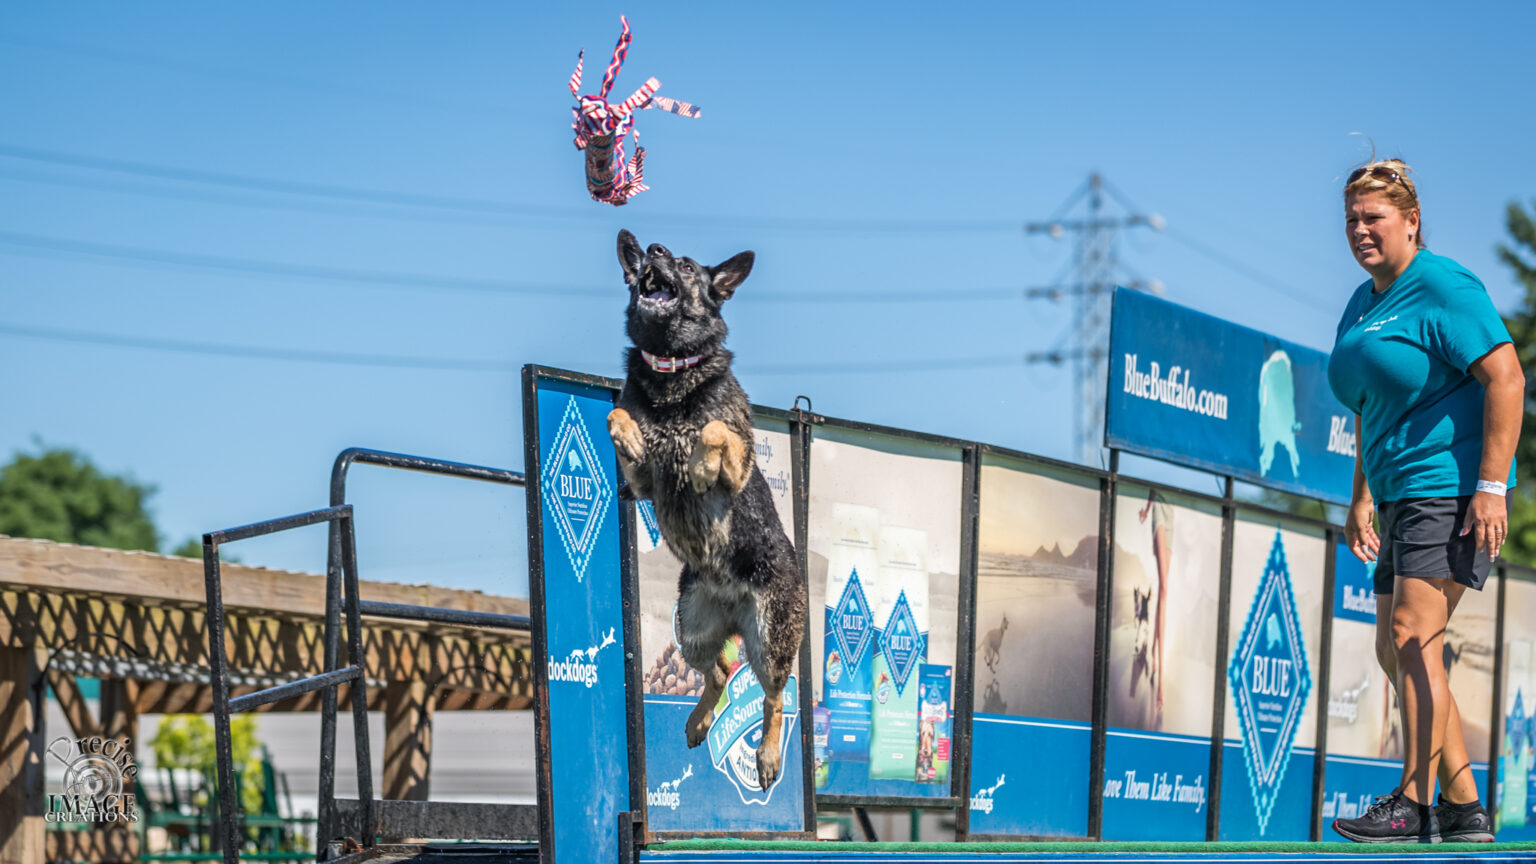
x,y
725,277
630,256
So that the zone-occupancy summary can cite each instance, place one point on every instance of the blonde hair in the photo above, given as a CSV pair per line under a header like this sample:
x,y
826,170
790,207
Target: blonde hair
x,y
1389,177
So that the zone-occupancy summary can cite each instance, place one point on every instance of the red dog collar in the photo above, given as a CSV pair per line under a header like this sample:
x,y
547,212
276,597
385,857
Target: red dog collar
x,y
672,364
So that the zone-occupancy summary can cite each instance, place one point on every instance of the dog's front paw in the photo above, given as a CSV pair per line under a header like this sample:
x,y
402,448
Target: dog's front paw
x,y
719,456
626,436
767,763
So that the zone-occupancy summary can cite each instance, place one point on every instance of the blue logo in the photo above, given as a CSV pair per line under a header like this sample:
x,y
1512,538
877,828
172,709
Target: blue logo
x,y
901,643
851,622
1270,681
738,729
576,490
648,519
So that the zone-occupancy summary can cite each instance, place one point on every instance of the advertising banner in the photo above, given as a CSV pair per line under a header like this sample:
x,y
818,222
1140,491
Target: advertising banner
x,y
1365,735
884,563
1515,816
1037,581
582,618
1204,392
1271,718
1162,647
713,788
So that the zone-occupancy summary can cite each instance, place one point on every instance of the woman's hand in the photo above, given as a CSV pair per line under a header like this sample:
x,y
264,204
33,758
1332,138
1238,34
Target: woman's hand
x,y
1488,522
1360,531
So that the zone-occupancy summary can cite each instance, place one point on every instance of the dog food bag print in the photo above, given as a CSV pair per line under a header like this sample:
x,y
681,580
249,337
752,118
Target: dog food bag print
x,y
901,645
852,566
934,722
823,730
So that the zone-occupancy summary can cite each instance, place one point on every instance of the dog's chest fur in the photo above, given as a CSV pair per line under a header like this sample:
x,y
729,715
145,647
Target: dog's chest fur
x,y
696,526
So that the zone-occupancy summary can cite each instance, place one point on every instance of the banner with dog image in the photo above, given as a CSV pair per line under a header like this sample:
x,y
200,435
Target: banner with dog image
x,y
1162,647
713,788
1271,718
883,563
1204,392
1037,583
1515,816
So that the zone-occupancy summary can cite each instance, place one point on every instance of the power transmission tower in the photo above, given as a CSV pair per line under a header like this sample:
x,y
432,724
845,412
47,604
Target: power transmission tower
x,y
1097,266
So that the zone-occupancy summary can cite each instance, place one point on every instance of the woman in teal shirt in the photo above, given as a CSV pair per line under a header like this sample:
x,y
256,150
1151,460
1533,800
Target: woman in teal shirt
x,y
1425,362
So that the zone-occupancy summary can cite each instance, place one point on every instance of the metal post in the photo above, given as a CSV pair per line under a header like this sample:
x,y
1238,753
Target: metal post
x,y
965,641
1219,691
359,687
1101,627
1496,726
1324,683
227,832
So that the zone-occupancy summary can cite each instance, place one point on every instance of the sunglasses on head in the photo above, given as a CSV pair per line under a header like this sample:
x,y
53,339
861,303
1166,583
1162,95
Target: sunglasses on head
x,y
1379,172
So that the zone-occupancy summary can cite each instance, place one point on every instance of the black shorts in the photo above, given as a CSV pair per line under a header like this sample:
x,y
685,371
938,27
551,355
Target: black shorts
x,y
1421,539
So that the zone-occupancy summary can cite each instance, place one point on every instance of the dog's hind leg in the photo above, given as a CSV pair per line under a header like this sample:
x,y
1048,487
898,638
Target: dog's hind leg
x,y
768,750
704,713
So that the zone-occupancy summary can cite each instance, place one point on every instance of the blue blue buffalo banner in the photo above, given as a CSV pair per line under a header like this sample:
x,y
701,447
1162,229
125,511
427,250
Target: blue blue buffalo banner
x,y
582,616
1266,776
715,786
1026,749
1200,391
1155,785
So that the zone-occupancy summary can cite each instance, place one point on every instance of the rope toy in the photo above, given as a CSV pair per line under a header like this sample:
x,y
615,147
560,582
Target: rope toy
x,y
601,128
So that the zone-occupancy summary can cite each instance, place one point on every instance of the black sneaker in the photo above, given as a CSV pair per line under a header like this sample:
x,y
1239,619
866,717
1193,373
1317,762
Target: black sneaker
x,y
1392,819
1463,823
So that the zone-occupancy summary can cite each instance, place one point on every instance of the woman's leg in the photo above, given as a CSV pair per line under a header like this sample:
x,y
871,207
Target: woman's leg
x,y
1420,610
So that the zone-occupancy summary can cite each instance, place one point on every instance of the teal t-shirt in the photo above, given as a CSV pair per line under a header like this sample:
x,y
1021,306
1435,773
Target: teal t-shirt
x,y
1400,360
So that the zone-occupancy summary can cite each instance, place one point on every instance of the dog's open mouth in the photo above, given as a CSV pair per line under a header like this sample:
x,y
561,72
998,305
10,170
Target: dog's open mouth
x,y
656,292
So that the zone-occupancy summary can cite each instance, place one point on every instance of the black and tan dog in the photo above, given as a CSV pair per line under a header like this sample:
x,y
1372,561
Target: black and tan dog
x,y
683,431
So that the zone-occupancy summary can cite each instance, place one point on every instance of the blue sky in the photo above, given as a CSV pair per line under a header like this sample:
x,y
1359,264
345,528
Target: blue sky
x,y
396,183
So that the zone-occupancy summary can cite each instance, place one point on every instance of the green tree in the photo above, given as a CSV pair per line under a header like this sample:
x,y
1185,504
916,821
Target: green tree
x,y
187,741
58,494
1520,255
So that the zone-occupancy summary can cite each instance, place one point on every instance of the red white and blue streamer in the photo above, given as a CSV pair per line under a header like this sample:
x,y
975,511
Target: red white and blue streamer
x,y
601,128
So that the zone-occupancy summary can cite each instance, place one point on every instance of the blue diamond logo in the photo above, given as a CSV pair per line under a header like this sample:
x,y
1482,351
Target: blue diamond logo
x,y
901,643
851,622
648,519
575,489
1269,680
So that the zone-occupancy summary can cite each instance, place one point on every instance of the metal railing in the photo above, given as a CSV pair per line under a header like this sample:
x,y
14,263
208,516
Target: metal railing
x,y
367,816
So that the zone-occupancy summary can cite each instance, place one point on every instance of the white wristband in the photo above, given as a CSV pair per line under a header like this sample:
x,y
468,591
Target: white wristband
x,y
1492,486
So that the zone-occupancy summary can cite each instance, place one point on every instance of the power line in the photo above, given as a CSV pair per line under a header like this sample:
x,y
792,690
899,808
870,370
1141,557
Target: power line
x,y
445,203
448,364
59,247
1252,273
300,271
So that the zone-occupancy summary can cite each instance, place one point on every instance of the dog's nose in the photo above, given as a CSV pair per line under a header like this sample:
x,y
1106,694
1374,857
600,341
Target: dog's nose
x,y
657,251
